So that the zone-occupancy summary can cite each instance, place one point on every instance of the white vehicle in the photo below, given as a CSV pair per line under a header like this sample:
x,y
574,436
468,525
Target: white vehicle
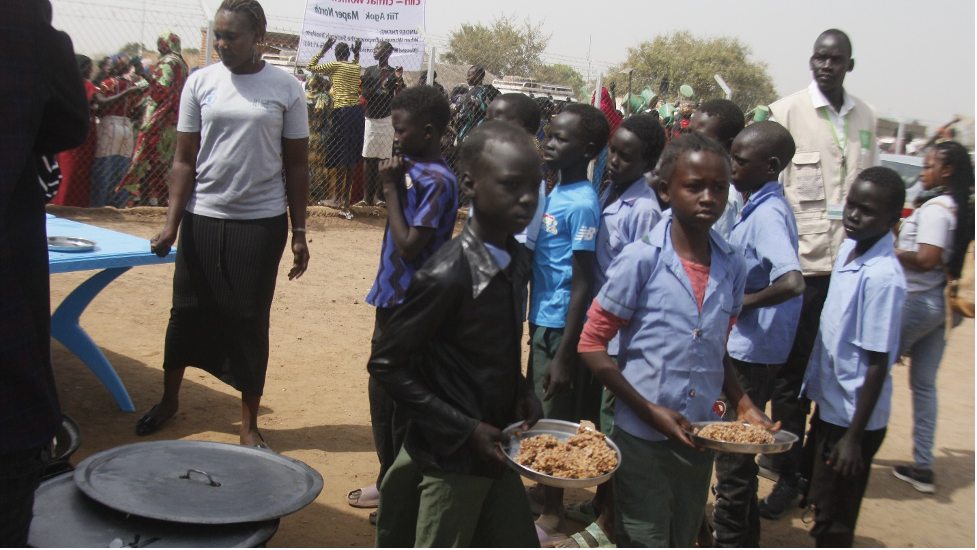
x,y
286,62
532,88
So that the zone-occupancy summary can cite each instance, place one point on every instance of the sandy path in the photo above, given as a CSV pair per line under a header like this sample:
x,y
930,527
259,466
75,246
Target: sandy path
x,y
315,404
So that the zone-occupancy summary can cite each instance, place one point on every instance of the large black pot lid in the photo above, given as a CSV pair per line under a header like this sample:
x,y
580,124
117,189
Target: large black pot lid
x,y
65,518
198,482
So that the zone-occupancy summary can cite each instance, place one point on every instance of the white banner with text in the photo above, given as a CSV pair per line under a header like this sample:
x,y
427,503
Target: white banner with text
x,y
400,22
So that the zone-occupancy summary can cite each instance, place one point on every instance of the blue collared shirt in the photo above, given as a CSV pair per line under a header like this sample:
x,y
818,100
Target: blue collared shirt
x,y
623,221
766,235
863,312
671,352
731,214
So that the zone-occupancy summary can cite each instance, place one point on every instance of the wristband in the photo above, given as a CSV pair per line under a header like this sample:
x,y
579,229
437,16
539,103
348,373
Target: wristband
x,y
298,230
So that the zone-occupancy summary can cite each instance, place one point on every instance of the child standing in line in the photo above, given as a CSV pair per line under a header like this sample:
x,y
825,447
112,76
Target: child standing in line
x,y
673,295
561,282
345,141
759,343
848,374
519,109
722,120
451,359
422,202
629,211
522,110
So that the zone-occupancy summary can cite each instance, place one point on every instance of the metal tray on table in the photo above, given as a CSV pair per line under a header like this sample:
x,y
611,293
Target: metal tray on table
x,y
70,244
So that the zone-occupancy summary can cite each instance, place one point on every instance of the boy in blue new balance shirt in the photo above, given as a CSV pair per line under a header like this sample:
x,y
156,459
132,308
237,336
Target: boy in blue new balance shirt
x,y
561,281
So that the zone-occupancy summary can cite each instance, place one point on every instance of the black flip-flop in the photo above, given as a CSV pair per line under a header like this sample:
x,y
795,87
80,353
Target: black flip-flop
x,y
263,444
148,424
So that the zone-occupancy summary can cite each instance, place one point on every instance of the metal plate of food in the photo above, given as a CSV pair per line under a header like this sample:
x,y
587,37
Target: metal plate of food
x,y
782,440
70,244
562,430
65,518
198,482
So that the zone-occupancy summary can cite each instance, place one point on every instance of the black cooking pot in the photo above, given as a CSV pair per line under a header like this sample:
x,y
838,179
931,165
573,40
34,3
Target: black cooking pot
x,y
66,441
65,517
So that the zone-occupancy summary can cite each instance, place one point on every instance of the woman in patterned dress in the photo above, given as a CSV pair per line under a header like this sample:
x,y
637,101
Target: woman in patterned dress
x,y
148,176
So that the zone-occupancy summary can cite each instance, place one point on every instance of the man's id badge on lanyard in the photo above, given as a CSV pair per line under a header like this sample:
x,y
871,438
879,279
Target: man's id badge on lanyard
x,y
835,211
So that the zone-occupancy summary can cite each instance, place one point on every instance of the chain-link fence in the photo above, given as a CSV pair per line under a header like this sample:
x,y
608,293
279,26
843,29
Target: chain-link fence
x,y
139,53
136,56
334,133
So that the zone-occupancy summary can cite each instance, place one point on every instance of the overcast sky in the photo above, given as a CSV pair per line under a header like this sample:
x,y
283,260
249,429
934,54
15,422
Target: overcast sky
x,y
913,59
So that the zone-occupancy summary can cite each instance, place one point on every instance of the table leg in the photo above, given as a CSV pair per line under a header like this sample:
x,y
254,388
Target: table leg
x,y
65,328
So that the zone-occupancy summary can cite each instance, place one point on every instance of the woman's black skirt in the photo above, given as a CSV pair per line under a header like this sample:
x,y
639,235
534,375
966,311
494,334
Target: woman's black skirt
x,y
223,286
345,141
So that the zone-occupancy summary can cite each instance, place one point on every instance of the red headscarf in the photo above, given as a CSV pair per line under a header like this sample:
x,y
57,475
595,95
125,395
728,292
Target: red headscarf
x,y
608,108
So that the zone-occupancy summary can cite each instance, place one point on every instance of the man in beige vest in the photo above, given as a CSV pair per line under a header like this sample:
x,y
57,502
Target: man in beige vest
x,y
835,137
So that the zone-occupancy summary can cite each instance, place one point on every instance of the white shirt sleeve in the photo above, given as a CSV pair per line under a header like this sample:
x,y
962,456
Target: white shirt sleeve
x,y
189,118
296,124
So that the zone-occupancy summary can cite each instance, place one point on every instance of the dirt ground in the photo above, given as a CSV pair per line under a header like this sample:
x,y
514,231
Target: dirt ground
x,y
315,404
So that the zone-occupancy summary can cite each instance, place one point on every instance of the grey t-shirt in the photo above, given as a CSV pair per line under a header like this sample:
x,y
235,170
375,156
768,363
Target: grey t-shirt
x,y
934,223
241,120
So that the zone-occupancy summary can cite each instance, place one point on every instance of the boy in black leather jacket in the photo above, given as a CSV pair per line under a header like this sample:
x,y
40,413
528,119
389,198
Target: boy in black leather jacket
x,y
451,359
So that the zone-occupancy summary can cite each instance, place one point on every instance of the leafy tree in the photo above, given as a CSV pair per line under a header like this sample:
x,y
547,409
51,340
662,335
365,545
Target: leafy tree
x,y
503,48
685,59
559,74
132,49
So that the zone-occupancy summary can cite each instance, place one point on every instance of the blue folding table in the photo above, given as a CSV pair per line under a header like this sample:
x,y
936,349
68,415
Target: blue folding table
x,y
114,254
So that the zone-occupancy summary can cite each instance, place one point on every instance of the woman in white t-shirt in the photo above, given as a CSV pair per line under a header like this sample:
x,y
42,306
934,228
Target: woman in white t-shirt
x,y
932,243
242,123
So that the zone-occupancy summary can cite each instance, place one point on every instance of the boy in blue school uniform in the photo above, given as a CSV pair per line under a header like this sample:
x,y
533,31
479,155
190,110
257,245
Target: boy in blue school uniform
x,y
422,202
561,282
523,111
629,208
673,295
451,359
848,373
766,235
721,120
